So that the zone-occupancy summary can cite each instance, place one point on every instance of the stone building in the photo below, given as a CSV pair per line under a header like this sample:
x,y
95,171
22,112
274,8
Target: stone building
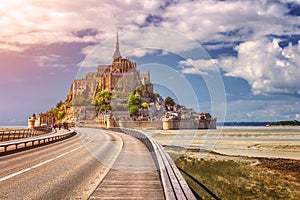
x,y
44,119
120,76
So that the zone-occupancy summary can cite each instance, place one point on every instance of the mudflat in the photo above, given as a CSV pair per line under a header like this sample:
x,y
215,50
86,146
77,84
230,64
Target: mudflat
x,y
238,162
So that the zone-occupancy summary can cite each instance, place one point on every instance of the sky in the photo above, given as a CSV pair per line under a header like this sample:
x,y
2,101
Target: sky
x,y
239,60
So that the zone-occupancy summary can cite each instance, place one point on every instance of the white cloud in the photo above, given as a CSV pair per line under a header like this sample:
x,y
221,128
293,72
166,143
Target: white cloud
x,y
47,60
205,20
46,22
139,53
200,66
10,47
36,22
140,42
266,66
218,45
88,49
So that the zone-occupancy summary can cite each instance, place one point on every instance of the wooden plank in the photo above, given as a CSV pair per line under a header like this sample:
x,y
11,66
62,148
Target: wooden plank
x,y
174,185
132,176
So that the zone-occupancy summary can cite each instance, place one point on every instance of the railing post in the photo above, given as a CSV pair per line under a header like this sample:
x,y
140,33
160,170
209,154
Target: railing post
x,y
2,135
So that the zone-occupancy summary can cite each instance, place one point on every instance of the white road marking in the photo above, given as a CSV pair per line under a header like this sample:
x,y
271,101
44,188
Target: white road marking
x,y
46,161
38,165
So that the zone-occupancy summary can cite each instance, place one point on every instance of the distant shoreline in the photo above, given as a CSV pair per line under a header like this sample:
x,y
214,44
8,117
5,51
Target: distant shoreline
x,y
243,123
284,123
219,124
3,126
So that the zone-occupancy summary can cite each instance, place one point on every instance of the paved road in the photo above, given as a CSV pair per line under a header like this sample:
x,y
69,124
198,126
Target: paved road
x,y
61,170
75,167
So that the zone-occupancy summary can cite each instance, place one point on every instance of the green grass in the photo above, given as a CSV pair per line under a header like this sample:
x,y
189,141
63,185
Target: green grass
x,y
230,179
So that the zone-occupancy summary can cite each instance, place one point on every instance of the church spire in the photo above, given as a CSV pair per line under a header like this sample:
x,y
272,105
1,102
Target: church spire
x,y
117,44
117,51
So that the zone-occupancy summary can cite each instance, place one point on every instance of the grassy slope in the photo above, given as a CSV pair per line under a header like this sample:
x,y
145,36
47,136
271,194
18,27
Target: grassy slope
x,y
231,179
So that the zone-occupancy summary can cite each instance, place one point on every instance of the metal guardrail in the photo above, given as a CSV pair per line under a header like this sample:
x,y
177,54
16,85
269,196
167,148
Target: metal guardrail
x,y
174,185
37,140
12,134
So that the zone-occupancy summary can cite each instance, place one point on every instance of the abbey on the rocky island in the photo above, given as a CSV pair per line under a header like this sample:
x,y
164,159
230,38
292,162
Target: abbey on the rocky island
x,y
122,81
122,75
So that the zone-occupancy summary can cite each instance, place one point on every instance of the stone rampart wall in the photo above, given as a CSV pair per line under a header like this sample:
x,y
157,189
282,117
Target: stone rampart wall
x,y
141,125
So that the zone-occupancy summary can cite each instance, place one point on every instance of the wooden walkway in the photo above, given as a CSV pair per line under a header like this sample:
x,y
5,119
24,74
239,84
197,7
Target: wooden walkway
x,y
133,175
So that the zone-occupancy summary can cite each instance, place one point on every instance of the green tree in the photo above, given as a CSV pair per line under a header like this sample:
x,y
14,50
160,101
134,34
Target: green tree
x,y
61,115
134,99
102,100
59,104
68,98
169,101
54,111
133,110
144,105
104,107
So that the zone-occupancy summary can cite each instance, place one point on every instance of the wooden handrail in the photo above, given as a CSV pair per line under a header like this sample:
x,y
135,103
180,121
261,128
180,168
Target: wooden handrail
x,y
174,185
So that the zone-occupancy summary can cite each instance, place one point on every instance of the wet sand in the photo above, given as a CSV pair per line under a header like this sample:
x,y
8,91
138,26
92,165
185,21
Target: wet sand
x,y
239,162
265,142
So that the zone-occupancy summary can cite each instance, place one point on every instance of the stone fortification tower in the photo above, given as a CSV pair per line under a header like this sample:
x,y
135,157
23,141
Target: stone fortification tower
x,y
31,121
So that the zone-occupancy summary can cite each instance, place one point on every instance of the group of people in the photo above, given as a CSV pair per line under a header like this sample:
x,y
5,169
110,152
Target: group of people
x,y
61,125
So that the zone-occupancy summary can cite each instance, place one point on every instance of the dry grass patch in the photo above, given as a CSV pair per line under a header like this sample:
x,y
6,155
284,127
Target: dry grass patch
x,y
232,179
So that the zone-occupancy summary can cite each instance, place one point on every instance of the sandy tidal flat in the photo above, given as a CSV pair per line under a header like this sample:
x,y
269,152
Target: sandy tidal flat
x,y
269,142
